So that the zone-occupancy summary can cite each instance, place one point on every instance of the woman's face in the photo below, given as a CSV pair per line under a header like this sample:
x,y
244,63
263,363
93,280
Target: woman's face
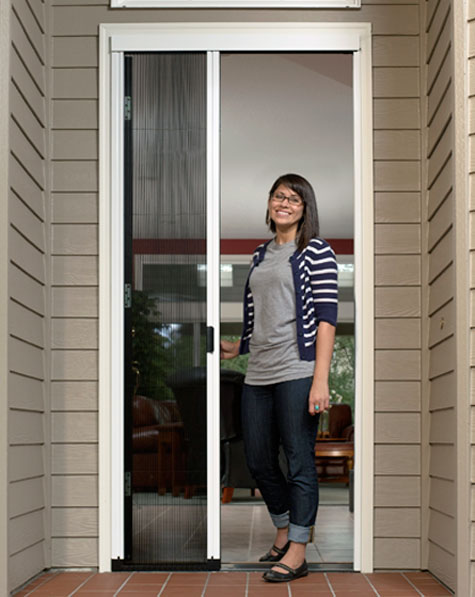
x,y
285,209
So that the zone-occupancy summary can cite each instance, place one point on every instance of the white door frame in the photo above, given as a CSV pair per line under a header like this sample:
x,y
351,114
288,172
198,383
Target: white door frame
x,y
115,39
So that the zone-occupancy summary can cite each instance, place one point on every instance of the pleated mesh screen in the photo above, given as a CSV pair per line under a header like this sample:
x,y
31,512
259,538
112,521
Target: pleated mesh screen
x,y
169,308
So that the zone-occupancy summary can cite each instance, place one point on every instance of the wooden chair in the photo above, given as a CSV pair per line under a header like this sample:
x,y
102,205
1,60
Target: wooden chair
x,y
334,449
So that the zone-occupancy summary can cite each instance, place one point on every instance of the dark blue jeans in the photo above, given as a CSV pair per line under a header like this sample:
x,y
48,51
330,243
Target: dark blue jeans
x,y
278,414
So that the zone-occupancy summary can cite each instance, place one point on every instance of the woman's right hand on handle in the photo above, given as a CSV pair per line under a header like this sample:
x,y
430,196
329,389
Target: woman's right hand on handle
x,y
229,350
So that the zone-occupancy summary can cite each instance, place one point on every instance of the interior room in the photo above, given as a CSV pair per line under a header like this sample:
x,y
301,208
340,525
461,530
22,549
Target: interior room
x,y
279,113
288,113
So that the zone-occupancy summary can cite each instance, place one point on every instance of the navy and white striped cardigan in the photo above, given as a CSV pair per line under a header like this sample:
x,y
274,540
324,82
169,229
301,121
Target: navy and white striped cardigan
x,y
315,276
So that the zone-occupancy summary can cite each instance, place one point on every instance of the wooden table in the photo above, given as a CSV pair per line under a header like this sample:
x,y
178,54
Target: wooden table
x,y
334,453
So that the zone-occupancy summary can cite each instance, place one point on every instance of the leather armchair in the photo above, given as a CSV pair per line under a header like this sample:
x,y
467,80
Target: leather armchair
x,y
189,388
340,422
157,445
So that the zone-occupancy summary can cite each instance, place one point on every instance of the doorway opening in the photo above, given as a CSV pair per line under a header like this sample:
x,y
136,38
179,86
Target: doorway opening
x,y
270,102
288,112
214,39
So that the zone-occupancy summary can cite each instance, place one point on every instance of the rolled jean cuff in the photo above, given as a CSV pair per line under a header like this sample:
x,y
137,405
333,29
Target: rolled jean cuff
x,y
281,521
299,534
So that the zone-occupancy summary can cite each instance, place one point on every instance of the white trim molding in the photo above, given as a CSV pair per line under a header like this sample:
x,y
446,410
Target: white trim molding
x,y
213,185
235,37
115,39
364,308
235,3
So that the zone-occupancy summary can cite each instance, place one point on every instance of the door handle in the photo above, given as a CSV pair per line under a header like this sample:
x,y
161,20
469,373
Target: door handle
x,y
210,338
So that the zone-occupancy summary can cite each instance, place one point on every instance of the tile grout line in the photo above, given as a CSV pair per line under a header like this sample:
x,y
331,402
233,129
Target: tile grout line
x,y
329,584
371,585
165,584
193,533
42,584
412,584
206,585
156,517
82,584
123,584
319,552
440,583
251,532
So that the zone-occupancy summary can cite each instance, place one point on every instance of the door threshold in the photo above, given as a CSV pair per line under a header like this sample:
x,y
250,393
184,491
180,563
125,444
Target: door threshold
x,y
119,565
313,567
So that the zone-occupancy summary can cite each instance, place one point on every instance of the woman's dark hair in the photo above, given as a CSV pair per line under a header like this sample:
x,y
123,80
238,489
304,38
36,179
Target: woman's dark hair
x,y
308,226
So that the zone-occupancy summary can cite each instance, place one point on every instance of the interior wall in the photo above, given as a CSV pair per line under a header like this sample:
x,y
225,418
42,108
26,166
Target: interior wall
x,y
28,531
286,112
398,276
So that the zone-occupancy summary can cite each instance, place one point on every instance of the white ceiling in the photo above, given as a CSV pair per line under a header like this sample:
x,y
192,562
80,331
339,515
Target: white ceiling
x,y
286,113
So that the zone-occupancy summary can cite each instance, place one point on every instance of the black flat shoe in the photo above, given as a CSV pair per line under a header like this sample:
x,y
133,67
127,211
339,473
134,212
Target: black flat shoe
x,y
293,573
281,551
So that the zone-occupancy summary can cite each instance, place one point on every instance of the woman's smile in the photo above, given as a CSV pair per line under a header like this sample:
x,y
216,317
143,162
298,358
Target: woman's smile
x,y
285,208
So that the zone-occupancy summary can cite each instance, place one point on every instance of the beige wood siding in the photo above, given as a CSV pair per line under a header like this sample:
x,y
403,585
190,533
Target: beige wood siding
x,y
5,47
397,123
471,148
27,278
439,426
397,155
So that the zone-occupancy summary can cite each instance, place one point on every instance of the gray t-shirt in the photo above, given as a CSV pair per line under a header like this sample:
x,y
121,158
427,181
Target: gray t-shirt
x,y
274,355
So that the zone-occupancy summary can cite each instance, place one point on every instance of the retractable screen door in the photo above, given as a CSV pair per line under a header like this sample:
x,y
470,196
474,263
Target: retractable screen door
x,y
166,328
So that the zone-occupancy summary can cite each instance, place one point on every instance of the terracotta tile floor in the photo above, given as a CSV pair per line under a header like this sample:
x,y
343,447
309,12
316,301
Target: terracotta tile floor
x,y
231,584
247,532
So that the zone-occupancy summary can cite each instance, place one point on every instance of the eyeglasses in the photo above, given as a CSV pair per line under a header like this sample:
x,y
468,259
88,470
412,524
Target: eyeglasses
x,y
293,199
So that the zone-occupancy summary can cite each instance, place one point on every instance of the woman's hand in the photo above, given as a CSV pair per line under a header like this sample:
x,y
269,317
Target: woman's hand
x,y
319,396
319,392
229,350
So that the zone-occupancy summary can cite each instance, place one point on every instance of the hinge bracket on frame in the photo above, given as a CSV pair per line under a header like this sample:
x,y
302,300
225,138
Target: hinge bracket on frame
x,y
127,107
127,484
127,296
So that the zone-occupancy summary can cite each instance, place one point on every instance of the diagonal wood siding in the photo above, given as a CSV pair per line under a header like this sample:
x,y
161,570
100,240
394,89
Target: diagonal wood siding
x,y
439,295
397,124
27,278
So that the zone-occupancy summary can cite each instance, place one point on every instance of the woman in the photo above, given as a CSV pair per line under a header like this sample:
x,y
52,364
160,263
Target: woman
x,y
290,295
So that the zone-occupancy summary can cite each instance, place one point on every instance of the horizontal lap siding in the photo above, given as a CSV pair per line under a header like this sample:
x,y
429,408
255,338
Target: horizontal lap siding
x,y
398,265
27,279
471,141
74,333
397,155
440,418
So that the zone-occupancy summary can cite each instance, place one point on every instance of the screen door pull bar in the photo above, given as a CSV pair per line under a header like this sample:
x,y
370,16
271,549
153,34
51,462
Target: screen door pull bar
x,y
210,338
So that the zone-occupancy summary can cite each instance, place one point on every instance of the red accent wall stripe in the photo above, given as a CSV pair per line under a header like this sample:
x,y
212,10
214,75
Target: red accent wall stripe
x,y
229,246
